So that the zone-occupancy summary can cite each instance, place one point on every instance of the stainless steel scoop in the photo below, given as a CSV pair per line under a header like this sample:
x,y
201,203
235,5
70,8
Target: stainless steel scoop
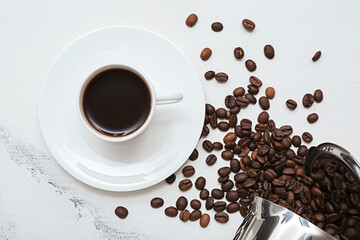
x,y
269,221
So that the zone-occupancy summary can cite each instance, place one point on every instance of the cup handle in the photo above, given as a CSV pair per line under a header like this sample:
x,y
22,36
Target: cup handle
x,y
168,99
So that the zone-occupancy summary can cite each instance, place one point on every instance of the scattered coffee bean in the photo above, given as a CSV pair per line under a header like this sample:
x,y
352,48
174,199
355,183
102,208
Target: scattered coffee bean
x,y
121,212
195,215
232,196
232,121
204,220
255,81
217,193
223,126
221,77
291,104
248,24
184,215
208,146
171,211
239,92
209,109
181,203
194,155
195,204
209,75
204,194
220,112
244,210
250,65
238,53
235,165
296,140
263,117
224,171
269,51
264,103
217,26
227,155
270,92
308,100
307,137
219,206
205,131
209,203
157,202
218,145
221,217
191,20
318,95
250,98
185,184
312,118
233,207
200,183
205,54
188,171
171,179
211,159
316,56
253,89
213,121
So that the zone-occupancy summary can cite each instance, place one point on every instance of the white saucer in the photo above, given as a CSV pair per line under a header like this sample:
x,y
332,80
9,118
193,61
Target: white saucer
x,y
147,159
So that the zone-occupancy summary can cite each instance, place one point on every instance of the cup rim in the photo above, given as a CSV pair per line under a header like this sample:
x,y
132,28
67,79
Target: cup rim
x,y
87,124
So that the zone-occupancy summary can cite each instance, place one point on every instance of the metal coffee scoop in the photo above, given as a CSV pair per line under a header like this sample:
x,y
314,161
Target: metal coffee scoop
x,y
269,221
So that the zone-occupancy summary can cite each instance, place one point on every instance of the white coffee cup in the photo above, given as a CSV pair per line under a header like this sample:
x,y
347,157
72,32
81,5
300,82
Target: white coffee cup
x,y
155,100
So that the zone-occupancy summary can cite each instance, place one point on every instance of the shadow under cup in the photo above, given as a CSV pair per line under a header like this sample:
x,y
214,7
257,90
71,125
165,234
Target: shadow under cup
x,y
116,101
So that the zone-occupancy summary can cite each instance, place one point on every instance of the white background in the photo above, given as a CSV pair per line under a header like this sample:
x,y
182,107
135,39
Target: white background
x,y
33,33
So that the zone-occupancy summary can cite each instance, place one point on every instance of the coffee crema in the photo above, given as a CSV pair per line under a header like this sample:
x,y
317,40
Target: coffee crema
x,y
116,102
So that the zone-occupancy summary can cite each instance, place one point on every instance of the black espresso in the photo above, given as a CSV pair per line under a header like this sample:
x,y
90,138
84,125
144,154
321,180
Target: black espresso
x,y
116,102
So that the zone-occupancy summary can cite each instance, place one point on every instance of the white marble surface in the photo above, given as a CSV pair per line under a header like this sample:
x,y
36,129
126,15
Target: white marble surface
x,y
39,200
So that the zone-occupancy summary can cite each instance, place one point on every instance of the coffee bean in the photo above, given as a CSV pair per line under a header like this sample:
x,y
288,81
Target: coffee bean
x,y
227,186
181,203
224,171
219,206
250,182
296,140
287,130
121,212
211,159
232,121
227,155
307,137
171,211
238,53
245,201
195,204
204,220
312,118
248,24
270,92
250,65
244,210
223,126
332,218
252,89
209,75
206,119
242,102
205,131
235,165
316,56
250,98
278,182
185,184
188,171
217,26
208,146
270,175
220,112
221,77
230,101
264,103
171,179
191,20
291,104
302,150
204,194
269,51
290,197
288,171
217,193
239,92
255,81
232,196
200,183
157,202
218,145
318,95
209,109
209,203
233,207
213,121
195,215
263,117
241,177
184,215
205,54
308,100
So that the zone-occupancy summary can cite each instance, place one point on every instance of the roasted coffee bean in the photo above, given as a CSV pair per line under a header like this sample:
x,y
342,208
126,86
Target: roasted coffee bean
x,y
220,112
209,109
205,54
245,201
209,203
232,196
204,220
312,118
188,171
194,155
213,121
286,142
200,183
208,146
230,101
223,126
209,75
307,137
270,92
233,207
224,171
296,140
184,215
250,65
205,131
235,110
332,218
217,26
290,197
223,179
219,206
252,89
218,145
221,77
217,193
171,179
195,204
232,121
239,92
287,130
235,165
211,159
157,202
206,119
250,98
227,155
318,95
278,182
271,125
191,20
270,175
227,186
255,81
263,117
230,146
238,53
204,194
264,103
291,104
181,203
221,217
288,171
244,210
250,182
171,211
121,212
248,24
308,100
242,102
241,177
269,51
195,215
316,56
185,184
